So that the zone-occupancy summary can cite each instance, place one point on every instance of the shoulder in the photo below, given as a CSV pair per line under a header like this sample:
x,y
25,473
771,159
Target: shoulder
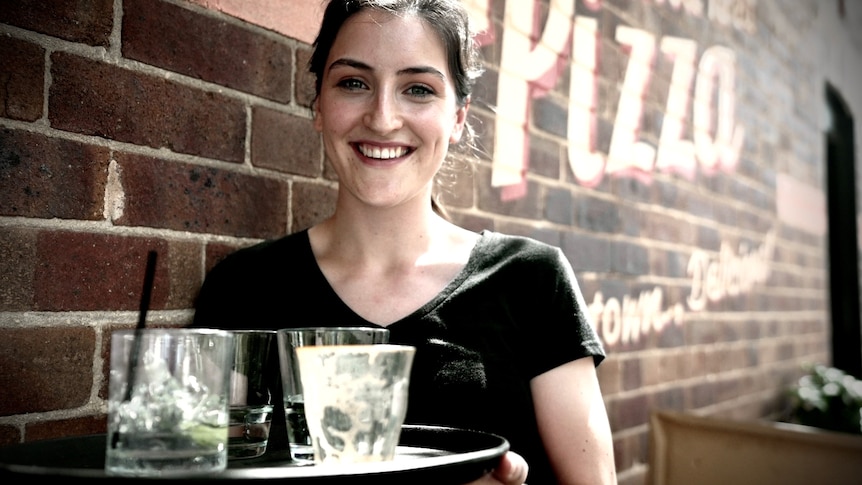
x,y
249,281
512,260
519,249
265,254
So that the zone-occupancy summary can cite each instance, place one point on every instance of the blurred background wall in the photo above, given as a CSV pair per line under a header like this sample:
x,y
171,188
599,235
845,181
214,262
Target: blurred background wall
x,y
695,159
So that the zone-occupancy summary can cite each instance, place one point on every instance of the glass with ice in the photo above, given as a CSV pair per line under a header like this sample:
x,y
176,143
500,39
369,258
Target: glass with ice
x,y
168,402
289,339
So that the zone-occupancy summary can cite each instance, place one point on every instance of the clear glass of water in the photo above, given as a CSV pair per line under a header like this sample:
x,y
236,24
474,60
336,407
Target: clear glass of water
x,y
253,389
168,402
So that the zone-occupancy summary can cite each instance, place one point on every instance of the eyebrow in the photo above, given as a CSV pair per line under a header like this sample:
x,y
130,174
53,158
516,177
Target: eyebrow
x,y
365,67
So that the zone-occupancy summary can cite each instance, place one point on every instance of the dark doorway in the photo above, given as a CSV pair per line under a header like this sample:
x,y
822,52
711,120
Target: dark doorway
x,y
843,244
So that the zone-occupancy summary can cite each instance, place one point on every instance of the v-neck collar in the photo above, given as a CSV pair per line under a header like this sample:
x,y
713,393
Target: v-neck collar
x,y
468,269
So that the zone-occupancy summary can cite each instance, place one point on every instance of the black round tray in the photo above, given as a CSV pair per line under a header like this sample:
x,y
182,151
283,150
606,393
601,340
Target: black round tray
x,y
429,454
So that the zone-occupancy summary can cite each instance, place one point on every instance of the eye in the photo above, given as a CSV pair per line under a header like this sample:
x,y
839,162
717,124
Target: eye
x,y
351,84
420,91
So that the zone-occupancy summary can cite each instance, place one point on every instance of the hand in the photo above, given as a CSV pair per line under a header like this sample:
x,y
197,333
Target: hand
x,y
512,470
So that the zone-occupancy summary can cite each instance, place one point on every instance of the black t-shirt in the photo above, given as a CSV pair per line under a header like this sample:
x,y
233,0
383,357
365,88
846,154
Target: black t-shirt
x,y
513,312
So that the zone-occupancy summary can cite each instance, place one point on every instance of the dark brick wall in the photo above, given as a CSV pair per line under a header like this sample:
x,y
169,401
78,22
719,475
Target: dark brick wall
x,y
165,132
188,131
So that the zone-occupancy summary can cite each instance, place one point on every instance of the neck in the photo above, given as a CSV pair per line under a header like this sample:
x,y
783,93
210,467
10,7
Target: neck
x,y
381,236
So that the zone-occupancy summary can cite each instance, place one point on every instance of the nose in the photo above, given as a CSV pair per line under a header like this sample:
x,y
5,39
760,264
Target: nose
x,y
383,114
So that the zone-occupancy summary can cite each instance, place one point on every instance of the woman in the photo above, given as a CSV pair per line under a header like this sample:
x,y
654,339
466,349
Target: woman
x,y
503,341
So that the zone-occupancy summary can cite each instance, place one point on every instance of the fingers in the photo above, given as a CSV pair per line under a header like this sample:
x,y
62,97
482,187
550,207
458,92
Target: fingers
x,y
512,470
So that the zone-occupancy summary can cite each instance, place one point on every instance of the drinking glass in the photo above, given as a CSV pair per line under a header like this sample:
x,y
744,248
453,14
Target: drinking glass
x,y
355,400
253,389
168,402
289,339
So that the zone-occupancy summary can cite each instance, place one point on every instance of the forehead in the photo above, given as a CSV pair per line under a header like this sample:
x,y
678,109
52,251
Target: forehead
x,y
386,37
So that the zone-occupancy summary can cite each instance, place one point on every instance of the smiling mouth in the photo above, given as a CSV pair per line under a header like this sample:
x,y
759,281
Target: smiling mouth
x,y
382,153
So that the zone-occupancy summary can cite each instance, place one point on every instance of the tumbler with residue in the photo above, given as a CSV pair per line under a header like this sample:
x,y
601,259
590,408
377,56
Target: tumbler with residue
x,y
355,400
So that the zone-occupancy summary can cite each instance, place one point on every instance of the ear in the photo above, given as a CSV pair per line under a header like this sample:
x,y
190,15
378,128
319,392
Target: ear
x,y
460,121
318,118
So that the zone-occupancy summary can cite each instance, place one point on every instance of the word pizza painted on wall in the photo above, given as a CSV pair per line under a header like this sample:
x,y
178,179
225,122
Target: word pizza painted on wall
x,y
699,128
714,277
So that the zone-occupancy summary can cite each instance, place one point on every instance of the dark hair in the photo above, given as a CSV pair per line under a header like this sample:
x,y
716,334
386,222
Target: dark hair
x,y
447,17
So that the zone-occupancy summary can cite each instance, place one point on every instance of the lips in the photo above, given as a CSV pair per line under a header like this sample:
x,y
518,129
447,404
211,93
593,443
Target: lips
x,y
382,153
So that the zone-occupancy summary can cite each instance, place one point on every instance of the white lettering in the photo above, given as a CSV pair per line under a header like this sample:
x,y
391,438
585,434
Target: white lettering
x,y
529,68
722,150
627,155
713,278
520,63
625,323
587,164
674,153
730,274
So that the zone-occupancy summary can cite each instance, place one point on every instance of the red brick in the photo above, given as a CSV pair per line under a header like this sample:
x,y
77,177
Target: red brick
x,y
669,398
491,198
455,185
628,412
45,369
610,375
305,90
9,435
702,394
17,263
630,449
207,48
311,203
104,100
184,273
86,425
22,79
545,157
215,252
472,222
83,271
184,197
51,178
179,272
286,143
87,22
631,374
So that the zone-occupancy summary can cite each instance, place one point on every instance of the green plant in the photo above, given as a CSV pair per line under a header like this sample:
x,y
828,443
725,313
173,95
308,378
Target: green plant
x,y
827,398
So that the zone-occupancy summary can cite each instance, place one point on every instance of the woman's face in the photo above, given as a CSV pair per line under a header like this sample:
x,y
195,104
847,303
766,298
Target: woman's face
x,y
387,108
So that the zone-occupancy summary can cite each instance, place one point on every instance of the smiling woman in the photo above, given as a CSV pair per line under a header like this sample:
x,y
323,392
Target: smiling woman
x,y
447,74
503,339
387,116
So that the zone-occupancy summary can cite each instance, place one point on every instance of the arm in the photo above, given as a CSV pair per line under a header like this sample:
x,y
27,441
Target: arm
x,y
574,424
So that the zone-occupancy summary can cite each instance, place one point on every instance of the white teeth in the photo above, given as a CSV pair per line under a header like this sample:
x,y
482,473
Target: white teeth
x,y
382,153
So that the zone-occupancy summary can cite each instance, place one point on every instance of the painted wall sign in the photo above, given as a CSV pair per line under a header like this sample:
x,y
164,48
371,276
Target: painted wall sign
x,y
730,273
699,132
699,128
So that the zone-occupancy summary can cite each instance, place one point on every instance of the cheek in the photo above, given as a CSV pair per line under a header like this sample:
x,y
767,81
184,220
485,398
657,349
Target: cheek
x,y
334,118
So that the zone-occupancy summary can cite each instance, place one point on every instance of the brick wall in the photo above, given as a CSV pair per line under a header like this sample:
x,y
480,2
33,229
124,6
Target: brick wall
x,y
130,125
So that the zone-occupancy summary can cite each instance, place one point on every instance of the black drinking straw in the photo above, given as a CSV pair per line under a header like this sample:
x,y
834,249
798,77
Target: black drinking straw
x,y
147,291
149,276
